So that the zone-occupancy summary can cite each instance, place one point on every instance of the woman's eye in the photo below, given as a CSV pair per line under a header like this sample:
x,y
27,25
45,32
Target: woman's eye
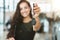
x,y
20,8
25,7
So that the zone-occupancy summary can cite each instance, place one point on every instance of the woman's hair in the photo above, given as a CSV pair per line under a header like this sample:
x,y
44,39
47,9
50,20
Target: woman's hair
x,y
17,18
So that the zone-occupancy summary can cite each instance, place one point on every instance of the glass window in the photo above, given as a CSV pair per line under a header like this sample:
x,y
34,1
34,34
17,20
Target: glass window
x,y
1,3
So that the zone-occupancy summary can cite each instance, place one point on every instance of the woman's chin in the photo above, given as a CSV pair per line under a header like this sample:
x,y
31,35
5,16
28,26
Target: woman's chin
x,y
24,16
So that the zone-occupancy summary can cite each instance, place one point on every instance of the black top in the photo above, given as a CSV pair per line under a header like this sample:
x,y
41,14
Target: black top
x,y
25,27
24,31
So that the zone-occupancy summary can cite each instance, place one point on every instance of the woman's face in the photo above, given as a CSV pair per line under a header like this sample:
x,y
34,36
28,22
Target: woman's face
x,y
24,9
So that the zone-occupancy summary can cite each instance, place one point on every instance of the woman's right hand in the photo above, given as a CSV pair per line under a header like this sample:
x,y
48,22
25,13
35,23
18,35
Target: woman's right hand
x,y
11,38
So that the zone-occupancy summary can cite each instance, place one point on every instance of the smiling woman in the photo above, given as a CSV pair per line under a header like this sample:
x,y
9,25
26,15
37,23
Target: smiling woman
x,y
22,27
24,9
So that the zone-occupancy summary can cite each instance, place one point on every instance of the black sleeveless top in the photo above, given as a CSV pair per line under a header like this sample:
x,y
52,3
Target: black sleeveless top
x,y
22,31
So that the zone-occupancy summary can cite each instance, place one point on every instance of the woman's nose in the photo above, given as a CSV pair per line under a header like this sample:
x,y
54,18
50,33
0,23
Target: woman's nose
x,y
24,10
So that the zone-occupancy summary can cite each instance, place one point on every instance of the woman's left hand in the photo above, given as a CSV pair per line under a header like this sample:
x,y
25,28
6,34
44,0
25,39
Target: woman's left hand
x,y
36,11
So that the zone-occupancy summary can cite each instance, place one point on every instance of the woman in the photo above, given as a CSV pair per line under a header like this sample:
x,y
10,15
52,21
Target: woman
x,y
22,27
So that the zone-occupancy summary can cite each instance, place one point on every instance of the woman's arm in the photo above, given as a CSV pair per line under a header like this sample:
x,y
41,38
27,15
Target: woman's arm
x,y
36,11
37,26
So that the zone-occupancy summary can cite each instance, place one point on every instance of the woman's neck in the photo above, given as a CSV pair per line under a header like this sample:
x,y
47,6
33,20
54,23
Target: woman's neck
x,y
27,19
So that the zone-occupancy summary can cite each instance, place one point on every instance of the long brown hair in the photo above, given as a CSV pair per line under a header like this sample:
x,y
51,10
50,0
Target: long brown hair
x,y
17,18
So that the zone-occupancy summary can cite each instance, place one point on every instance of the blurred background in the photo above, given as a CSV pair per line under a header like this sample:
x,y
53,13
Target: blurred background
x,y
49,17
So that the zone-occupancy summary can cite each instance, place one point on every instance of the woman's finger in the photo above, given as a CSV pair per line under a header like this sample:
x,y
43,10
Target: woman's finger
x,y
37,10
35,4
